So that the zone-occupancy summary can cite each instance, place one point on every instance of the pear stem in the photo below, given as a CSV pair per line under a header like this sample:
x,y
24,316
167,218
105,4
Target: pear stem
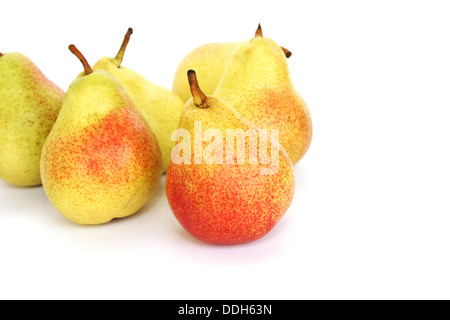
x,y
126,39
1,54
197,93
286,52
258,32
79,55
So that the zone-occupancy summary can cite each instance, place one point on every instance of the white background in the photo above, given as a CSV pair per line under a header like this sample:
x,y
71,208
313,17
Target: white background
x,y
371,214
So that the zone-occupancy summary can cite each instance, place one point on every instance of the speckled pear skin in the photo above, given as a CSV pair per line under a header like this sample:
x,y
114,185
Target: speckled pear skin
x,y
226,204
209,62
101,160
257,83
160,107
29,106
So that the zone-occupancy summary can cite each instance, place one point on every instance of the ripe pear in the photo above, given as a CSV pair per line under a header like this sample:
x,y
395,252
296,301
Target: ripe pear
x,y
101,160
257,83
29,106
226,191
160,106
209,62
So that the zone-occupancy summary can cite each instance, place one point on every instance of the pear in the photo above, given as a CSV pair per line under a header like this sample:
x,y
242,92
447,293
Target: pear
x,y
257,83
209,62
229,182
160,106
101,160
29,106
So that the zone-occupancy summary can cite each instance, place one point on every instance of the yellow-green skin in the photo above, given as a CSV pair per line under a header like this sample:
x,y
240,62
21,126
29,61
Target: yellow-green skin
x,y
160,106
209,62
29,106
101,160
257,83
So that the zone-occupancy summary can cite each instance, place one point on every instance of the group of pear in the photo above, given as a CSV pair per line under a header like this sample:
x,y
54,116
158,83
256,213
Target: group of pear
x,y
100,149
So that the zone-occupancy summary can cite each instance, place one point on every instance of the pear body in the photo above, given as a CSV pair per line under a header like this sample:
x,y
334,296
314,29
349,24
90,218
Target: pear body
x,y
29,106
257,83
101,160
209,62
160,107
231,202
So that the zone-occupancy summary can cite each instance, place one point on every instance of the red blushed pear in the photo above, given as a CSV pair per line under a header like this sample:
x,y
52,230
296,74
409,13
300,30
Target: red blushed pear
x,y
222,187
265,95
160,107
101,160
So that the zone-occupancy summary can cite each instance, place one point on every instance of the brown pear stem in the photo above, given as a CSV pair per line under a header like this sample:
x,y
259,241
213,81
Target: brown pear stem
x,y
197,93
126,39
286,52
1,54
258,32
79,55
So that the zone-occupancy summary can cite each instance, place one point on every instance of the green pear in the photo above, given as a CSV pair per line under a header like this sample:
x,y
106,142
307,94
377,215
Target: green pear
x,y
229,182
160,106
257,83
29,106
101,160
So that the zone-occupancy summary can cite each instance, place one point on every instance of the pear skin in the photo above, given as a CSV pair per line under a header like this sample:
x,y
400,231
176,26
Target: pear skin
x,y
257,83
101,160
234,201
29,106
160,106
208,61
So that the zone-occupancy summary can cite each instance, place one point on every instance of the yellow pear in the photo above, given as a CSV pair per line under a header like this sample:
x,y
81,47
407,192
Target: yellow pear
x,y
209,62
160,107
101,160
29,106
257,83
